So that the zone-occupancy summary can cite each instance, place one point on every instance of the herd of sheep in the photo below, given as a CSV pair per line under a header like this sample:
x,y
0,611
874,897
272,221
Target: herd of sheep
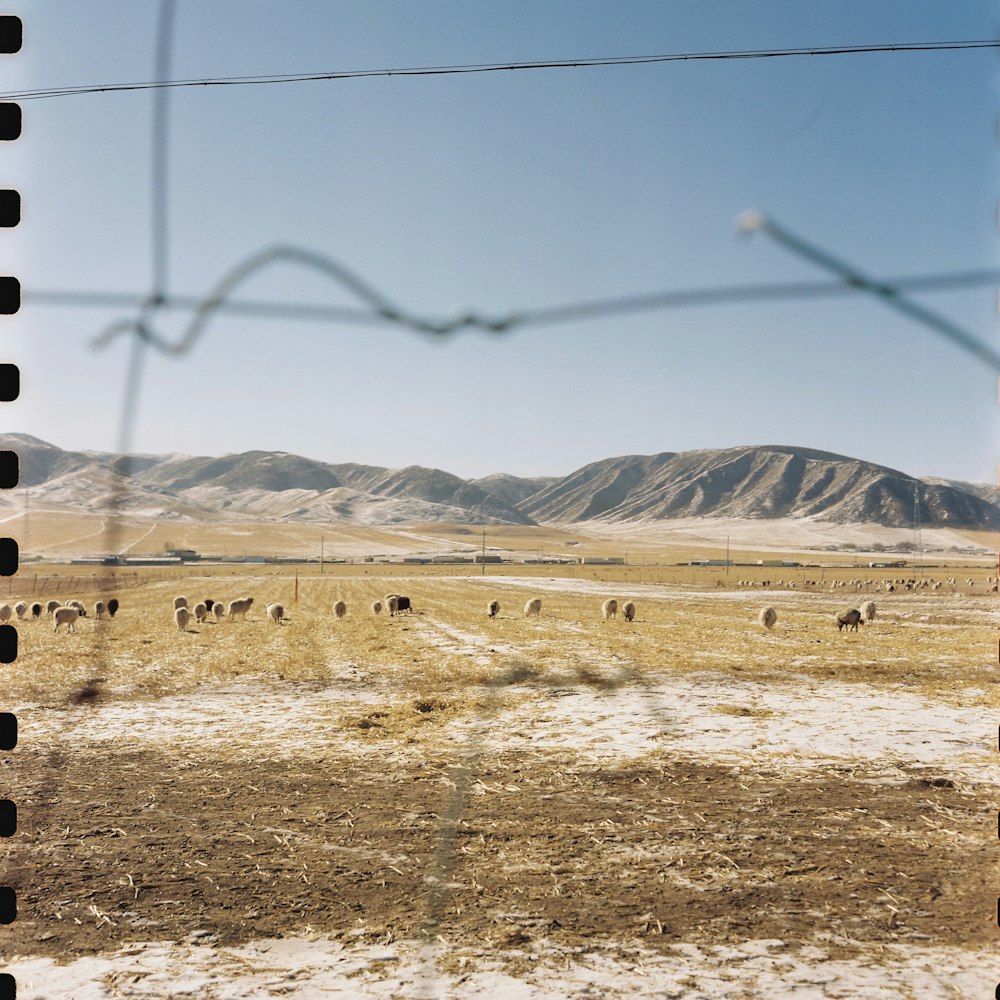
x,y
62,613
69,612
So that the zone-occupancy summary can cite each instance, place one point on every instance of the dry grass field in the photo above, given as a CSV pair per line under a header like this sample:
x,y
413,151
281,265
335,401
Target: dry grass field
x,y
566,802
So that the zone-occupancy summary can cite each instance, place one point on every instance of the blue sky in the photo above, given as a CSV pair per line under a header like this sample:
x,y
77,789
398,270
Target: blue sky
x,y
508,191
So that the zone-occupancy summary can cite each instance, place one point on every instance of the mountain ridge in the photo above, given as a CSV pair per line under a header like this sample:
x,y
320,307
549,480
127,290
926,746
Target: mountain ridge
x,y
756,482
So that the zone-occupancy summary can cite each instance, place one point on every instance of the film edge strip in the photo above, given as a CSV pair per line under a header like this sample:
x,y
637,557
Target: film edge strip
x,y
11,36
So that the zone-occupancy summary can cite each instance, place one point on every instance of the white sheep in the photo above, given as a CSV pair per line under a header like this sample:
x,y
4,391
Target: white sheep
x,y
609,608
79,607
99,609
200,612
180,602
376,607
65,616
51,606
240,607
20,609
218,609
628,610
182,616
275,612
533,607
868,611
767,617
340,609
493,608
392,604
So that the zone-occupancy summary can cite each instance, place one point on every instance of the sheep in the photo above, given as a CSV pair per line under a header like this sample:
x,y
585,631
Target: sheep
x,y
182,616
376,607
849,619
99,609
340,609
51,606
218,609
402,604
493,608
628,611
5,612
209,603
392,604
113,607
609,608
79,607
200,612
533,607
65,616
240,607
868,611
275,612
180,602
36,611
20,609
767,617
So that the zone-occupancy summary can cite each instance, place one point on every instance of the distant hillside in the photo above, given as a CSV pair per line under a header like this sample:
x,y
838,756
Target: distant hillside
x,y
256,484
766,482
757,482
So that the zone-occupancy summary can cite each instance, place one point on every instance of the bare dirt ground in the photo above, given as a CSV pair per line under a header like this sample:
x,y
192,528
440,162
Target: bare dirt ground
x,y
444,805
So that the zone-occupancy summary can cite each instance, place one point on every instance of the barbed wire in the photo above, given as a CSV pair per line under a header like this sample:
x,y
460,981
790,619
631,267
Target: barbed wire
x,y
380,308
580,63
753,221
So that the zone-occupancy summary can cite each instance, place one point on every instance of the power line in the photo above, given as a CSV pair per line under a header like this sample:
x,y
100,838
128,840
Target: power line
x,y
582,63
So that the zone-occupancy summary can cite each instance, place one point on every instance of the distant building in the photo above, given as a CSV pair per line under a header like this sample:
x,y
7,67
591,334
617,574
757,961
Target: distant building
x,y
602,560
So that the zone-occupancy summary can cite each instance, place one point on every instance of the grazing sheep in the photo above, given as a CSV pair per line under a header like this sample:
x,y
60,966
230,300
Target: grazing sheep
x,y
79,607
609,608
767,617
113,606
533,607
376,607
402,604
218,609
65,616
182,616
20,609
51,606
493,608
392,604
628,611
240,607
868,611
99,609
36,611
849,619
210,604
275,612
340,609
180,602
5,612
200,612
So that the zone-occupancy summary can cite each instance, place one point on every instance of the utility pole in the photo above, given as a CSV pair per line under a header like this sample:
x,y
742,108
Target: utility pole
x,y
321,555
484,552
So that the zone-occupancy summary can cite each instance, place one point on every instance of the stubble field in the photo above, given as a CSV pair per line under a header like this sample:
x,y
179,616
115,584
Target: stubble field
x,y
444,804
